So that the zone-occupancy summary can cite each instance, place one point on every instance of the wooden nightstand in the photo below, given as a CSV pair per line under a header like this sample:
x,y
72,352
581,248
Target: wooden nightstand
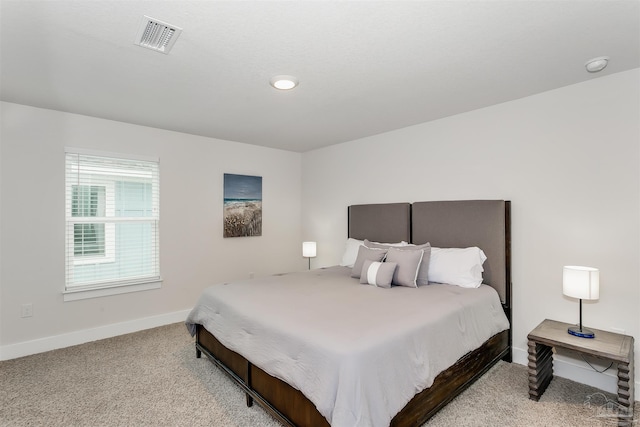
x,y
608,346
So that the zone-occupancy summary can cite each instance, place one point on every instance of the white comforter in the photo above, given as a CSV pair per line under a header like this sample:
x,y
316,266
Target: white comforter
x,y
358,352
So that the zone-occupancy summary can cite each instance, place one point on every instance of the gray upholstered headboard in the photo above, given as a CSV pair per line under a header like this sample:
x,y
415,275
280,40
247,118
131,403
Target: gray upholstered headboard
x,y
388,222
463,223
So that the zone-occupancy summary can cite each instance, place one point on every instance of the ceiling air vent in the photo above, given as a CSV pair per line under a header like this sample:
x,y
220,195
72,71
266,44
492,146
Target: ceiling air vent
x,y
157,35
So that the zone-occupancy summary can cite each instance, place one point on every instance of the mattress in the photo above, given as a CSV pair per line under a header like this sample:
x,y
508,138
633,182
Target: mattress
x,y
358,352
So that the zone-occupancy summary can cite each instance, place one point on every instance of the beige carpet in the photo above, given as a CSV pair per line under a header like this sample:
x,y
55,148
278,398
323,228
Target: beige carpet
x,y
152,378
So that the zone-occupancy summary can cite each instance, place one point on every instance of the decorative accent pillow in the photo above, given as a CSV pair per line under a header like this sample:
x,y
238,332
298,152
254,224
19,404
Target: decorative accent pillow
x,y
365,253
423,272
377,245
377,273
457,266
408,265
351,252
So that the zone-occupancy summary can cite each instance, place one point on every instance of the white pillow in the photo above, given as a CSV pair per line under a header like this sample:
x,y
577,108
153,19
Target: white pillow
x,y
351,252
457,266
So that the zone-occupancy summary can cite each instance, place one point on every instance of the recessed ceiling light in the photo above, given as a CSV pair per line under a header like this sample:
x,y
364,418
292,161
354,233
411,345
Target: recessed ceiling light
x,y
284,82
597,64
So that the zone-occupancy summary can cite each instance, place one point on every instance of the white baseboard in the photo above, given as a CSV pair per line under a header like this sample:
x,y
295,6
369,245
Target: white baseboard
x,y
578,371
41,345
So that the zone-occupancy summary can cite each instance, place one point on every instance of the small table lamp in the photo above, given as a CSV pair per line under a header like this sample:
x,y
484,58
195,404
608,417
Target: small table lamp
x,y
309,251
583,283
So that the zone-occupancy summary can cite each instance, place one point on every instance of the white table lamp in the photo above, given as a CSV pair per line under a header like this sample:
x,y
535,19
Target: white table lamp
x,y
583,283
309,251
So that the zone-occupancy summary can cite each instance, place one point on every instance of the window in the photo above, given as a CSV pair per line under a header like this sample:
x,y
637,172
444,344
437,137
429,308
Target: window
x,y
112,221
88,200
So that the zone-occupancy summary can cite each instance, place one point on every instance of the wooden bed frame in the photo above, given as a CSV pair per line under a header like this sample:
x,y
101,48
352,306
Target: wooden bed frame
x,y
485,224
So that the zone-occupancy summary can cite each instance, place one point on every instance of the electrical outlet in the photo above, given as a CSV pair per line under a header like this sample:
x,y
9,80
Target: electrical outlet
x,y
26,310
617,330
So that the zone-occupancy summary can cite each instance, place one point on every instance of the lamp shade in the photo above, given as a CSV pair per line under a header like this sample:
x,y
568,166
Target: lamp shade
x,y
581,282
308,249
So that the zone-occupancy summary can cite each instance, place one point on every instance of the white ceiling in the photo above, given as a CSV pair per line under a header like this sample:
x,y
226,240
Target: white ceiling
x,y
364,67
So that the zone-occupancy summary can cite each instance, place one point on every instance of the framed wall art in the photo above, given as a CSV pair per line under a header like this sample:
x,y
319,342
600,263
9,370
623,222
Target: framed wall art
x,y
242,205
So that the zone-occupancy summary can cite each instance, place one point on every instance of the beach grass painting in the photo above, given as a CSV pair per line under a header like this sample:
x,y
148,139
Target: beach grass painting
x,y
242,205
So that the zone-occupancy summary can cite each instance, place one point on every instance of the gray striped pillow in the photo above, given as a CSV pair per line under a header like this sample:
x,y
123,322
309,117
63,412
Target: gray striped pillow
x,y
377,273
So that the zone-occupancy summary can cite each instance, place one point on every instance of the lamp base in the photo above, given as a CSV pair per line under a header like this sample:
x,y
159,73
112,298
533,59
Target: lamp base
x,y
581,332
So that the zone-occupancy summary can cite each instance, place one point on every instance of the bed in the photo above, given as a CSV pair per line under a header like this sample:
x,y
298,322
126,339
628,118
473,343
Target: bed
x,y
460,224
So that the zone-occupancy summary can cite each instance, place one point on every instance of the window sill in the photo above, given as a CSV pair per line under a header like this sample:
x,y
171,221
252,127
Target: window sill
x,y
75,295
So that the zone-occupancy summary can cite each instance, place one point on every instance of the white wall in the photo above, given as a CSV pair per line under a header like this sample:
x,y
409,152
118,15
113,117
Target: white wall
x,y
193,252
568,160
1,292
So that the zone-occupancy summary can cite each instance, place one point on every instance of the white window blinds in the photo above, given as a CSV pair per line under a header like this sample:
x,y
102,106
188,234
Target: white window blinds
x,y
112,221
